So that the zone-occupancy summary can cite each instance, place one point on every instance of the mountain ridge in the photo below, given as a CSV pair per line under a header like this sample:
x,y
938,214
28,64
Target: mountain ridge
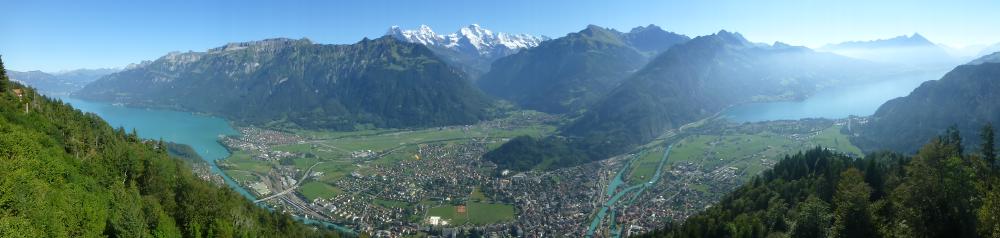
x,y
910,51
699,78
59,83
566,74
963,97
382,83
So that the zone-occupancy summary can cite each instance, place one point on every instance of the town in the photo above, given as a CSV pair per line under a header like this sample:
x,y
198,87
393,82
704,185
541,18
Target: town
x,y
392,183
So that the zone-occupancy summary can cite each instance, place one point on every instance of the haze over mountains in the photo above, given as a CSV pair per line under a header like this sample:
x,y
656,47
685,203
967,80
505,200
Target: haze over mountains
x,y
690,81
965,97
701,77
913,51
566,74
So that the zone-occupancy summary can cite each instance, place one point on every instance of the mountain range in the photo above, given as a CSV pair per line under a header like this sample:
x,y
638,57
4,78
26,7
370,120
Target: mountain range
x,y
699,78
914,51
687,82
64,82
569,73
283,82
472,48
620,89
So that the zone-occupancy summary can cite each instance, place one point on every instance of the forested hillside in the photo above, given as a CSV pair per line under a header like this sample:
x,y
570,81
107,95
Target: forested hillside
x,y
942,191
965,97
64,173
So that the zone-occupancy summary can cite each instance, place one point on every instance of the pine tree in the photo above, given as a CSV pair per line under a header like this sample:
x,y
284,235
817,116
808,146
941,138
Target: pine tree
x,y
812,219
3,77
952,137
989,152
851,217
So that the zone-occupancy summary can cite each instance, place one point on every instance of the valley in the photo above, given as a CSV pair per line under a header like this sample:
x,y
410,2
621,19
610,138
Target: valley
x,y
568,119
432,181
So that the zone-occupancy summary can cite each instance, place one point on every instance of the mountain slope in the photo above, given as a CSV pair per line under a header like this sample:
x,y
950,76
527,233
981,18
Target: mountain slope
x,y
70,174
699,78
471,48
965,97
989,58
381,82
568,73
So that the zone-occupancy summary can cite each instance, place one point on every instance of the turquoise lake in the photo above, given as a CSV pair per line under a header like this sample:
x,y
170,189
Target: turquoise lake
x,y
198,131
833,103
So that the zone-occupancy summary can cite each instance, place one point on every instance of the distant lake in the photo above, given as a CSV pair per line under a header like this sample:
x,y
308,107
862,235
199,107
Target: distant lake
x,y
840,102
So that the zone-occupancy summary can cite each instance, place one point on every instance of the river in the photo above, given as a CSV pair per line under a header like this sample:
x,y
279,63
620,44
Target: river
x,y
615,194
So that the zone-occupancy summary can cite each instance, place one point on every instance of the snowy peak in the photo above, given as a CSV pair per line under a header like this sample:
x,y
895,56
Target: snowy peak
x,y
469,39
423,35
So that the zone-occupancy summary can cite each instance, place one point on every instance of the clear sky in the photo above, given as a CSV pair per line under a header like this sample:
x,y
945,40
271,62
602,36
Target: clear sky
x,y
59,35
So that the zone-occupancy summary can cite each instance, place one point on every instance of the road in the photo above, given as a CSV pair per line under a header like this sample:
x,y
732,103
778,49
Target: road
x,y
293,187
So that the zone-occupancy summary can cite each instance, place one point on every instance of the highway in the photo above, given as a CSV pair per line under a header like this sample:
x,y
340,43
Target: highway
x,y
292,188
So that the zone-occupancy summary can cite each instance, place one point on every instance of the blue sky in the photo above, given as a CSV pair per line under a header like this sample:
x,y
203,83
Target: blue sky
x,y
58,35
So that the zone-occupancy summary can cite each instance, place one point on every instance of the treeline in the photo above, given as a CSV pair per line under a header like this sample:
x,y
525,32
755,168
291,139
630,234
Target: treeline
x,y
64,173
942,191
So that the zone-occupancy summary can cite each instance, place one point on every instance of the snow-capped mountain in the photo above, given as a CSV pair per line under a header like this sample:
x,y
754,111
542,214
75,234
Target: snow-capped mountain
x,y
473,38
471,48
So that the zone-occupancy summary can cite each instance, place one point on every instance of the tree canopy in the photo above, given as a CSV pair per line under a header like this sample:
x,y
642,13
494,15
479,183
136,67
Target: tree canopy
x,y
939,192
64,173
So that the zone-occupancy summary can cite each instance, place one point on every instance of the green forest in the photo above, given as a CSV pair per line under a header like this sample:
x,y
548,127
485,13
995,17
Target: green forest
x,y
64,173
942,191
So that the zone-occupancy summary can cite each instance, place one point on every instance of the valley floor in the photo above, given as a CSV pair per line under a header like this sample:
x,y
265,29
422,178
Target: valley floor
x,y
433,181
